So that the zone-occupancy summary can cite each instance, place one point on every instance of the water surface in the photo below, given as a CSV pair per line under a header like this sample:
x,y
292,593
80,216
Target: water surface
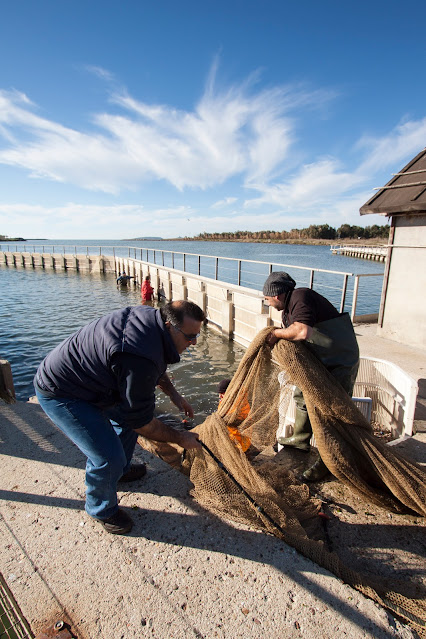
x,y
41,308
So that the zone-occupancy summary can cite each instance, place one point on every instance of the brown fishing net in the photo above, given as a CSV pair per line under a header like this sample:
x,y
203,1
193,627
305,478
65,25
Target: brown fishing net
x,y
273,499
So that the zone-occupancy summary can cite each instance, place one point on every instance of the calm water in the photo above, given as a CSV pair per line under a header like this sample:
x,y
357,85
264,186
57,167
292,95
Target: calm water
x,y
38,309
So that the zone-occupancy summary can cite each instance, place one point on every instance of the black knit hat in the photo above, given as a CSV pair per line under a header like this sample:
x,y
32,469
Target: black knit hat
x,y
223,385
277,283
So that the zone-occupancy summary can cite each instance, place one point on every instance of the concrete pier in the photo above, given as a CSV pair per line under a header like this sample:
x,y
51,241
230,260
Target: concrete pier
x,y
375,253
59,261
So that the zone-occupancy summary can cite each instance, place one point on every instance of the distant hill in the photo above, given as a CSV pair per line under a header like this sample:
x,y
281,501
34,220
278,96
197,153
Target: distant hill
x,y
140,239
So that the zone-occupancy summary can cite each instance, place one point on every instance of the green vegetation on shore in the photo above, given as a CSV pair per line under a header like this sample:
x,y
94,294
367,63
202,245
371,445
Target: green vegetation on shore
x,y
5,238
314,234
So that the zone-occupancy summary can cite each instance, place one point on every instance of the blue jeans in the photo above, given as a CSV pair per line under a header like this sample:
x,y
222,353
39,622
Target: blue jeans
x,y
107,445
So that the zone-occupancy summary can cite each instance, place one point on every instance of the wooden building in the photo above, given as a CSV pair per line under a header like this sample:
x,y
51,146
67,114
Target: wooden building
x,y
402,314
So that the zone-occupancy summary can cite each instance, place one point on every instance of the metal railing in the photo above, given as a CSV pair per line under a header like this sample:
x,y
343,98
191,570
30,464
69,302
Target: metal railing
x,y
335,285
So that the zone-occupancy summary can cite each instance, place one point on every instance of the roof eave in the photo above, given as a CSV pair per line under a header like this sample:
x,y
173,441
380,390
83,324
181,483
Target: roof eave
x,y
390,210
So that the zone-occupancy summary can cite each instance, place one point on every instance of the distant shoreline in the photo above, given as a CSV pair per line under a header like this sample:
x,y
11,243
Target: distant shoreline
x,y
372,241
377,241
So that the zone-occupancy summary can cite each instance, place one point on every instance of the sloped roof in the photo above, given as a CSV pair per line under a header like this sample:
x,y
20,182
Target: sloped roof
x,y
404,193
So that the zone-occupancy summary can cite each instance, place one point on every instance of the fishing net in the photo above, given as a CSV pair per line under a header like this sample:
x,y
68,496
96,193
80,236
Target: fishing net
x,y
272,499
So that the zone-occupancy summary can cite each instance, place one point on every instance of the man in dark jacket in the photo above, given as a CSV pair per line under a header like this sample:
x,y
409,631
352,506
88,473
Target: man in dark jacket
x,y
308,316
98,387
123,279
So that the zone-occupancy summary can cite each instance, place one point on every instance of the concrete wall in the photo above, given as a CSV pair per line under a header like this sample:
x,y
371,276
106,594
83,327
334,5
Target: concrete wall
x,y
59,261
404,315
235,311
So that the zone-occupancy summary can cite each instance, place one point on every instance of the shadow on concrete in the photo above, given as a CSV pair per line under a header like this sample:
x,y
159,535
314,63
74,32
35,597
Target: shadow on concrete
x,y
204,531
27,433
420,411
413,449
41,500
209,533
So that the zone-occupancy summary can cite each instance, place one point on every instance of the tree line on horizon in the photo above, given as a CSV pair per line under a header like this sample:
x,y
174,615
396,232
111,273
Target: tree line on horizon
x,y
6,238
312,232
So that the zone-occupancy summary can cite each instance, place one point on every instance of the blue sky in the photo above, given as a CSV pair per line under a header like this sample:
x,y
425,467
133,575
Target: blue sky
x,y
130,118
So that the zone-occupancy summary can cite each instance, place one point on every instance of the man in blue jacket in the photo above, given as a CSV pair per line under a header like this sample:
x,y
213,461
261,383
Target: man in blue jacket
x,y
98,387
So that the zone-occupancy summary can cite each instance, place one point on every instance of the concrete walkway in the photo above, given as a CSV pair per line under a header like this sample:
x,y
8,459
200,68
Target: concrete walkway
x,y
411,360
182,572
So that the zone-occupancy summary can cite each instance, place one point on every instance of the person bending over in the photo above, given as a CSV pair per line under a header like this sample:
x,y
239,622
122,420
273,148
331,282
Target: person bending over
x,y
98,387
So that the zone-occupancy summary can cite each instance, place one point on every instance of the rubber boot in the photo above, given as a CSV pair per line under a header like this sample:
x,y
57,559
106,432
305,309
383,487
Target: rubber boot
x,y
317,472
302,432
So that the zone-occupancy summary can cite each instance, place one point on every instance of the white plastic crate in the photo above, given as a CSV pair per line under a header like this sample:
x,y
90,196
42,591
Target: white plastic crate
x,y
384,394
393,393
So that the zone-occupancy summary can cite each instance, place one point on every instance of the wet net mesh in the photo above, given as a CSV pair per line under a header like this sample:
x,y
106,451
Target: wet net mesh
x,y
273,500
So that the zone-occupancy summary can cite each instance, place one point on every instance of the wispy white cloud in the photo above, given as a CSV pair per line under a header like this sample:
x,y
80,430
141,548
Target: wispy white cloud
x,y
401,144
127,220
85,220
220,204
325,184
101,73
241,134
237,131
312,185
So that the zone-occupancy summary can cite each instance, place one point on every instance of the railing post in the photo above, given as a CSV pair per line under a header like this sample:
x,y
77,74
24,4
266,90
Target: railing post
x,y
239,272
113,252
100,251
199,265
270,269
141,255
75,250
173,260
311,279
344,289
184,261
87,251
216,269
162,257
128,252
355,297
